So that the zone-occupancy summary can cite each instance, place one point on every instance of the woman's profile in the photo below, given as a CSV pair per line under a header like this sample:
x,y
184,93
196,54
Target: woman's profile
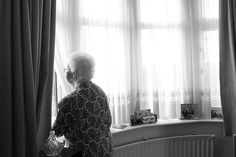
x,y
84,117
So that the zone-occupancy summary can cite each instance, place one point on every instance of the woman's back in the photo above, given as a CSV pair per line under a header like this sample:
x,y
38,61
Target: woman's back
x,y
84,118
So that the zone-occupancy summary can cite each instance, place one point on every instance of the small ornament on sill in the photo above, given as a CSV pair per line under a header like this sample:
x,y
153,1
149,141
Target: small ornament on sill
x,y
143,117
53,146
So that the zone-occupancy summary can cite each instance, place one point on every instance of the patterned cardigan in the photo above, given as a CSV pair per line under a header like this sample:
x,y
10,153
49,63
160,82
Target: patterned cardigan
x,y
84,119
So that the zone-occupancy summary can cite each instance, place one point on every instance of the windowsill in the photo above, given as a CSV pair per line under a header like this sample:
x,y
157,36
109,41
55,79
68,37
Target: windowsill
x,y
163,122
166,128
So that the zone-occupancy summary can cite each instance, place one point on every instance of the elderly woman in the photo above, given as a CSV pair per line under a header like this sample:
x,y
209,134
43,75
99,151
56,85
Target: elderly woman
x,y
84,117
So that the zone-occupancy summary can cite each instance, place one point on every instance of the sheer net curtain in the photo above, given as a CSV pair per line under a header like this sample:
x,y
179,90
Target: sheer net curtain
x,y
209,37
179,51
164,80
105,34
149,53
102,29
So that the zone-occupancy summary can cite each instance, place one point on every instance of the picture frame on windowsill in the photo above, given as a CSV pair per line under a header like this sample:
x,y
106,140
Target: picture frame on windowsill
x,y
216,113
189,111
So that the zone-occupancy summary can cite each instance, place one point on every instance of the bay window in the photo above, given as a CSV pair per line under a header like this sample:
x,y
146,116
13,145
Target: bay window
x,y
149,53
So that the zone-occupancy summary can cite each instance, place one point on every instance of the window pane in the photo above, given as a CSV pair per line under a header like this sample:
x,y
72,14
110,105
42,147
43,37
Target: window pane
x,y
211,66
210,9
160,11
101,10
211,46
161,46
161,53
107,46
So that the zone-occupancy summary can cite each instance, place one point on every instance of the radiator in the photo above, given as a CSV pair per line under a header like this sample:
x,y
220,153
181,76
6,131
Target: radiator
x,y
178,146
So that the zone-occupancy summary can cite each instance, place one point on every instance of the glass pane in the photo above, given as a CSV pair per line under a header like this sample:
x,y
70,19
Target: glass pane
x,y
161,46
211,66
101,10
160,11
107,46
211,46
210,9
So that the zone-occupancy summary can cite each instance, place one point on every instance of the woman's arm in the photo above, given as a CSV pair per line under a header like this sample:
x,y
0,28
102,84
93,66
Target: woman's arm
x,y
60,124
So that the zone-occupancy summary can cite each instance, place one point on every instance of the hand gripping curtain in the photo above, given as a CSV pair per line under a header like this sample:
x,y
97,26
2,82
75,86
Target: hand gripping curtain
x,y
27,30
228,64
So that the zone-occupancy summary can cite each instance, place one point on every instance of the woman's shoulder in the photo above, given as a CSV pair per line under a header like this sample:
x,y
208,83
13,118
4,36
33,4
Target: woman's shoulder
x,y
96,87
66,101
89,85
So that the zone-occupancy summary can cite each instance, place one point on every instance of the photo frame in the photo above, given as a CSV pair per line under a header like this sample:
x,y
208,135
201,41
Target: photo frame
x,y
142,113
189,111
216,113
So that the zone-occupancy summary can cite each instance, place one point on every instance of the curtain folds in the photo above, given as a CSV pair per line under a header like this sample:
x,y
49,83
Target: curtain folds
x,y
228,64
27,43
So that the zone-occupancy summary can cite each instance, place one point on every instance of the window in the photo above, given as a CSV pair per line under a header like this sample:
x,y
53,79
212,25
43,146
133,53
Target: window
x,y
149,53
209,29
179,54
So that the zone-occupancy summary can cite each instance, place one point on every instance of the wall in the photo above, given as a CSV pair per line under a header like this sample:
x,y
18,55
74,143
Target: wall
x,y
223,146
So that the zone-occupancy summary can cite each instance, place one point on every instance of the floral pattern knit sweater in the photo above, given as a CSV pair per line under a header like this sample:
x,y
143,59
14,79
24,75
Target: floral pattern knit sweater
x,y
84,119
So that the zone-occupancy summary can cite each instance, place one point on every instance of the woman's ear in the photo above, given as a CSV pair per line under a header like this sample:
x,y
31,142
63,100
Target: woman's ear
x,y
70,77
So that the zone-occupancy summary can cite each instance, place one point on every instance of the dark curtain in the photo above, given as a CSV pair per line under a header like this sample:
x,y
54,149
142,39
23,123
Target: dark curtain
x,y
27,34
227,38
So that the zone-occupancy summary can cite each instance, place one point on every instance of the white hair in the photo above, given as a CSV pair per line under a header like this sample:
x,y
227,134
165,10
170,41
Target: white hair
x,y
82,64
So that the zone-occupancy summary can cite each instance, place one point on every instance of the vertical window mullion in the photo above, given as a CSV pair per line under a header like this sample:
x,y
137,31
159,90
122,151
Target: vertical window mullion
x,y
192,47
135,60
